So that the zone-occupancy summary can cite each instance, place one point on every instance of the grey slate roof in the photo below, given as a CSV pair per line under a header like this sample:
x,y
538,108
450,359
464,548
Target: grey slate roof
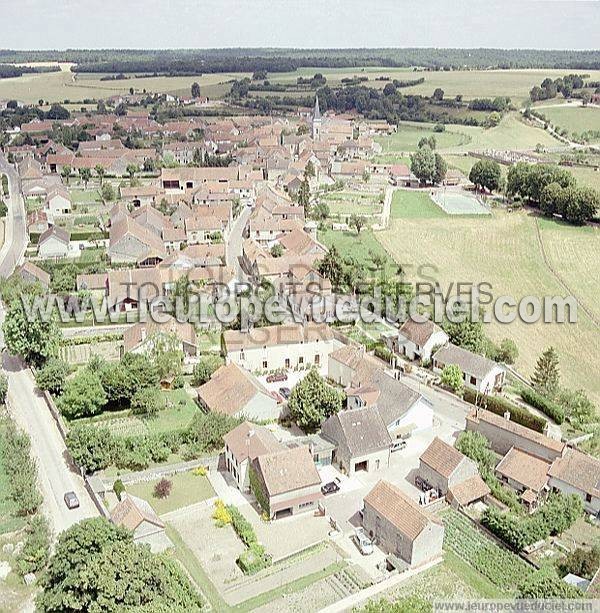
x,y
469,362
395,398
363,430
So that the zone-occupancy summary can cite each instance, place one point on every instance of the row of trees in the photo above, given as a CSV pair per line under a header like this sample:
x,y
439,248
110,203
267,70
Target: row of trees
x,y
550,88
554,190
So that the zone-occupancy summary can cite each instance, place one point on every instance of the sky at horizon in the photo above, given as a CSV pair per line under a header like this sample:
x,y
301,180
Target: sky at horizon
x,y
162,24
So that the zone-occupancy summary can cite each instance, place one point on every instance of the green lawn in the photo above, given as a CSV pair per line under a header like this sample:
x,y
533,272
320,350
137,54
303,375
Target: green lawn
x,y
187,489
82,196
91,255
409,134
574,119
178,413
414,205
351,245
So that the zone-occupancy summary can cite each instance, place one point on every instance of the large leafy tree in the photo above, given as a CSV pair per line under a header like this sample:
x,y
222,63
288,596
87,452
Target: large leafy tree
x,y
92,448
52,375
33,339
83,396
331,267
486,174
422,164
546,377
312,401
97,567
205,368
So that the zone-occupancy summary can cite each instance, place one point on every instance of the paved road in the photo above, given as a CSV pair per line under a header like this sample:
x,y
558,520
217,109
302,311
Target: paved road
x,y
28,408
15,231
235,241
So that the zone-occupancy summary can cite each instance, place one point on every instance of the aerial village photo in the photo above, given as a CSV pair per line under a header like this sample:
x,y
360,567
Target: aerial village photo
x,y
299,306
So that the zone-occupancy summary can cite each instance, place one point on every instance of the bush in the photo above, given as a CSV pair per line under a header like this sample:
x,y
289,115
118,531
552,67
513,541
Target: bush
x,y
499,406
200,471
221,514
383,353
92,448
36,550
254,559
557,514
546,406
83,396
118,488
452,377
52,376
3,388
242,526
163,488
204,369
147,401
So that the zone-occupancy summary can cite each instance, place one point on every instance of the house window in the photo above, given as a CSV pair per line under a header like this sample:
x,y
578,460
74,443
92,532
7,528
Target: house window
x,y
317,359
473,381
189,185
300,360
303,505
287,362
588,498
265,365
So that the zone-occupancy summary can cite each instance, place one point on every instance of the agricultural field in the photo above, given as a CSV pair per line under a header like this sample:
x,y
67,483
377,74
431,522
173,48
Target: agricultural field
x,y
409,134
187,489
469,83
500,566
574,119
503,250
586,176
81,354
65,85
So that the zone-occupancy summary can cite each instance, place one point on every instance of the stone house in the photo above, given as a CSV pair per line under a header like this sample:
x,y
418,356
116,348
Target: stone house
x,y
400,527
54,243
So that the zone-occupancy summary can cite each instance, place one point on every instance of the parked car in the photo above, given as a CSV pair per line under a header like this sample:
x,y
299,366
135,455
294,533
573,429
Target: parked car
x,y
71,500
330,488
278,376
285,392
397,445
363,542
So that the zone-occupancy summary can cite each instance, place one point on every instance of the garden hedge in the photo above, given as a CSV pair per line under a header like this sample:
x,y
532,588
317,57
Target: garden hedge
x,y
548,407
499,406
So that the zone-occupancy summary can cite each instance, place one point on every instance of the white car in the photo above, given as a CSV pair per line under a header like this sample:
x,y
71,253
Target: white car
x,y
363,542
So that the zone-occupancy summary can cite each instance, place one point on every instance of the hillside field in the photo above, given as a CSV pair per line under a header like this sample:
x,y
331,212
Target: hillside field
x,y
504,250
574,119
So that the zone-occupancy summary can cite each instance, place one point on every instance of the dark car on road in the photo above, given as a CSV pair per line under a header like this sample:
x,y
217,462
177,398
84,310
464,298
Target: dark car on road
x,y
71,500
330,488
285,392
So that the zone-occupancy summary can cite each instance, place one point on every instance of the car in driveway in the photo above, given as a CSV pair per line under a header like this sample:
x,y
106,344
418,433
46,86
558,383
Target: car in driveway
x,y
330,488
277,376
397,445
363,542
71,500
286,392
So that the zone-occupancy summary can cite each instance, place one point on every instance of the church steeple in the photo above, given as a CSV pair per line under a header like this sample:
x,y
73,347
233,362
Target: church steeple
x,y
317,120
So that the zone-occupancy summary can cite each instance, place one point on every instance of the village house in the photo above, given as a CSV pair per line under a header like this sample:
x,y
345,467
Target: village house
x,y
286,482
417,338
361,438
139,517
400,527
504,434
54,243
142,195
129,241
242,445
280,347
161,330
58,201
30,273
577,473
479,373
526,474
446,469
236,392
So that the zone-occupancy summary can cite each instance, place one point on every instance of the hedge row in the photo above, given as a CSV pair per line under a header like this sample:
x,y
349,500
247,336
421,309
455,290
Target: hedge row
x,y
499,405
255,558
548,407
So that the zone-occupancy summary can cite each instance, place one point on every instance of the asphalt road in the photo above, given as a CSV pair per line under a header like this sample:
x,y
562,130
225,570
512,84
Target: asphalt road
x,y
15,228
26,405
235,241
